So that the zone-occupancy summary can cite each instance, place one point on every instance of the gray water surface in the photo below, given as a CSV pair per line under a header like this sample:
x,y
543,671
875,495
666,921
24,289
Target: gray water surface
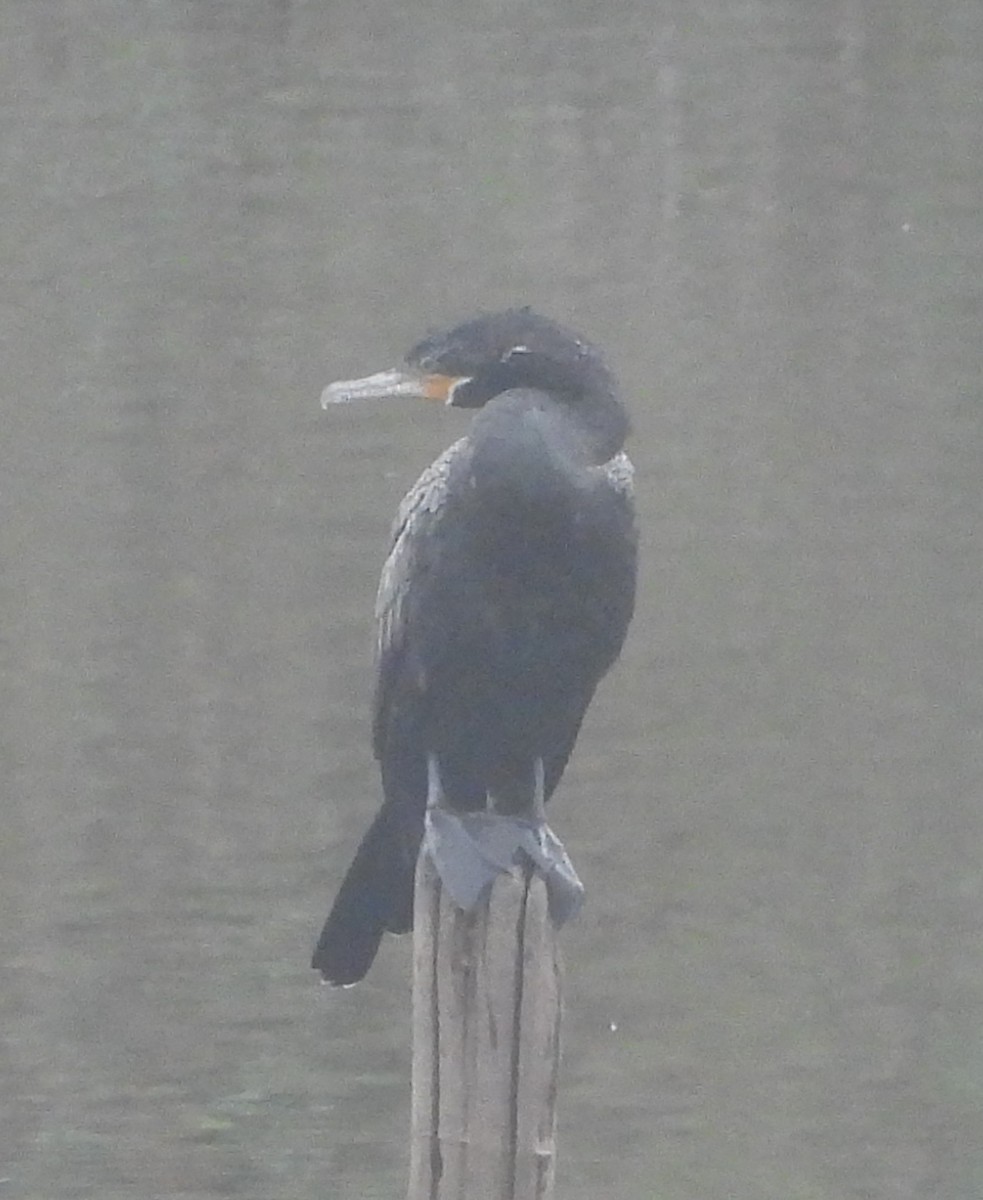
x,y
768,213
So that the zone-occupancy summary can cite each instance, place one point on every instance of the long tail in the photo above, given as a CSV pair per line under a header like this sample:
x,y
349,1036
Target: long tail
x,y
376,895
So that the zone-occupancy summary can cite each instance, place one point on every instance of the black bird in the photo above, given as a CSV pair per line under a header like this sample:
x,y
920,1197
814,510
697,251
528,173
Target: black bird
x,y
505,597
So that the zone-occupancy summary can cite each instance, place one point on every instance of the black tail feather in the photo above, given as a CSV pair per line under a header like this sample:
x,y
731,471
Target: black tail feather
x,y
376,895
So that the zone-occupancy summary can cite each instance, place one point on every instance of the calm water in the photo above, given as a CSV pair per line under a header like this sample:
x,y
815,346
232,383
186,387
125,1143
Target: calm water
x,y
769,213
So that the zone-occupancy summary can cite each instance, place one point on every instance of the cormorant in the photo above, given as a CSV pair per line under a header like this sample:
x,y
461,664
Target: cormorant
x,y
504,599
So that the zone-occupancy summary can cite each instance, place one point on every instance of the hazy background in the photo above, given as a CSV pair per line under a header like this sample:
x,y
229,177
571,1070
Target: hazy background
x,y
769,214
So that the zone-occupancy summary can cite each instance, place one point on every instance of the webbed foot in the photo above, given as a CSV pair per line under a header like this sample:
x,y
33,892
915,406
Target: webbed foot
x,y
470,849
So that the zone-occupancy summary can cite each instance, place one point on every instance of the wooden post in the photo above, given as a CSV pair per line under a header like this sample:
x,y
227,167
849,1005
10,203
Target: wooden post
x,y
486,1042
